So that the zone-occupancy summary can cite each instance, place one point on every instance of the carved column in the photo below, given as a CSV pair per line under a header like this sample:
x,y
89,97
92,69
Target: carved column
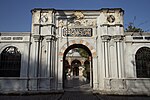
x,y
105,40
50,58
36,59
118,39
48,40
53,50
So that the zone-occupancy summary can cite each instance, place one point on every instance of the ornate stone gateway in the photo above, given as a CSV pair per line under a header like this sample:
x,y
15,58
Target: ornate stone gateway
x,y
38,58
77,73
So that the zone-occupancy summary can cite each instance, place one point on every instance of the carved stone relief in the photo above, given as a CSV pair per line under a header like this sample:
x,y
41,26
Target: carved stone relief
x,y
60,23
106,37
75,22
77,19
78,15
43,18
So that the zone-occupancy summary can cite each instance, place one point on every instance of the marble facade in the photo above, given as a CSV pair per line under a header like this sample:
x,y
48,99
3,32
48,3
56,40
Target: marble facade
x,y
54,31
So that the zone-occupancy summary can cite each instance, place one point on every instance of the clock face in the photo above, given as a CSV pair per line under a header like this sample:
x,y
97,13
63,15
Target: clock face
x,y
110,18
44,18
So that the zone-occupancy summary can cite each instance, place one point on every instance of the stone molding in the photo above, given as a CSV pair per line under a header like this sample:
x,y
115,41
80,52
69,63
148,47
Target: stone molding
x,y
47,37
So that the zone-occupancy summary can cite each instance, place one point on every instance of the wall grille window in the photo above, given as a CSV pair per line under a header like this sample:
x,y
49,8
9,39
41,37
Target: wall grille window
x,y
10,62
142,58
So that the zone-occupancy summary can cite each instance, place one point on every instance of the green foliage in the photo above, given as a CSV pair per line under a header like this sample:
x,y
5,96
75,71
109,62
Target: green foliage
x,y
132,28
86,71
83,52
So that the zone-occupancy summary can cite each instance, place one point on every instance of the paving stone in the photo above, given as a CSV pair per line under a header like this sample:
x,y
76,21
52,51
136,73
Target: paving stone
x,y
119,97
31,97
72,95
78,96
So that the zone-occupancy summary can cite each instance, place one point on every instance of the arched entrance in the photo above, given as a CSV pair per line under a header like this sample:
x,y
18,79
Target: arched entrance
x,y
75,67
75,76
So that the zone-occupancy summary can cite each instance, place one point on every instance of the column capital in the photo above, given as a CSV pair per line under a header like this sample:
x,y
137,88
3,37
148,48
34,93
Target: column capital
x,y
118,37
50,38
36,38
106,38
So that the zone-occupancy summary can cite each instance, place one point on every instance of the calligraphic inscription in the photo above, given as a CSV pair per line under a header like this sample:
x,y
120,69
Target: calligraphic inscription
x,y
17,38
137,37
77,32
6,38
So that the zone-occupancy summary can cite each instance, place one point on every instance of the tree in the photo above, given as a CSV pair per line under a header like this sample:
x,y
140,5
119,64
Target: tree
x,y
132,28
83,52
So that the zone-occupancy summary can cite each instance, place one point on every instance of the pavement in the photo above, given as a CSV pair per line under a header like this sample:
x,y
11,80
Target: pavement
x,y
78,95
72,95
122,97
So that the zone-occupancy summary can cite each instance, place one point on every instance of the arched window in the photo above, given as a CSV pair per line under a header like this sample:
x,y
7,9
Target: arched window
x,y
142,58
10,62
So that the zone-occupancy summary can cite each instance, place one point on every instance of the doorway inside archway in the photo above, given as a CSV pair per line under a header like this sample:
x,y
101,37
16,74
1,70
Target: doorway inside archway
x,y
75,64
77,67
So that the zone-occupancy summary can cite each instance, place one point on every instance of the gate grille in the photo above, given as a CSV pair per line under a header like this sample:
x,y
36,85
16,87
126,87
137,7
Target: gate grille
x,y
10,62
142,58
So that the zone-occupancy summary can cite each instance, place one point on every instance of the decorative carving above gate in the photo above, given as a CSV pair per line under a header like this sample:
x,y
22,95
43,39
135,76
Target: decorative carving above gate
x,y
74,23
78,15
76,19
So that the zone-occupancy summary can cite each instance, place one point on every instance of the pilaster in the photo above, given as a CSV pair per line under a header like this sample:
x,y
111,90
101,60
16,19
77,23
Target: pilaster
x,y
50,39
119,50
105,42
95,74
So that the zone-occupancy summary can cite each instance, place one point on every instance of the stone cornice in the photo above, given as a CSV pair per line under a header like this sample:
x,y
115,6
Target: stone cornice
x,y
40,9
108,10
52,24
112,25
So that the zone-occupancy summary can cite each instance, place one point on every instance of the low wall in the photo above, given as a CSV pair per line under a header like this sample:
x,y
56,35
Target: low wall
x,y
24,85
127,86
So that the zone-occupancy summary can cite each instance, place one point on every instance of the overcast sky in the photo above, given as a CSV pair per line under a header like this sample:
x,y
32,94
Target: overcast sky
x,y
15,15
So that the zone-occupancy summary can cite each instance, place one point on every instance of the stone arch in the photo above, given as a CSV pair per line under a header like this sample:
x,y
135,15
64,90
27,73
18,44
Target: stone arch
x,y
142,59
77,44
24,56
137,47
14,45
83,42
132,54
10,62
